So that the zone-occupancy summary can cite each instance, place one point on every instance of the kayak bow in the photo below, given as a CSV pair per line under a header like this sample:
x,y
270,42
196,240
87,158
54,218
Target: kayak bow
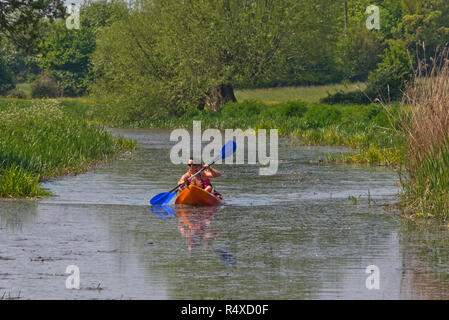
x,y
195,196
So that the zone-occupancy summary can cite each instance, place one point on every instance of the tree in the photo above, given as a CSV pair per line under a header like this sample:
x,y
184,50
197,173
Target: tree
x,y
6,81
195,52
20,20
426,22
66,53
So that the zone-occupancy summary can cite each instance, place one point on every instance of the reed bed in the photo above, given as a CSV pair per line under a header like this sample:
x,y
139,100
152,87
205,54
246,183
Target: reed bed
x,y
425,123
39,141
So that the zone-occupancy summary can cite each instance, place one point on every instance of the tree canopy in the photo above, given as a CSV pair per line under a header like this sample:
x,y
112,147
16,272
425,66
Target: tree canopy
x,y
21,20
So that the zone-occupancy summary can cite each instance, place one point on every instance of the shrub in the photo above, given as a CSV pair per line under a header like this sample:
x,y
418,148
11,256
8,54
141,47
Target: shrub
x,y
45,87
388,80
245,108
319,116
293,109
16,93
70,84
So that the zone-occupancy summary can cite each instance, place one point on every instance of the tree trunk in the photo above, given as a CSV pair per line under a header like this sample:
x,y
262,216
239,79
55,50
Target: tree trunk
x,y
219,96
346,16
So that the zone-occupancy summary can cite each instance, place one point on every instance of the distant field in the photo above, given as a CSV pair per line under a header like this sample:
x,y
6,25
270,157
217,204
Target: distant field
x,y
310,94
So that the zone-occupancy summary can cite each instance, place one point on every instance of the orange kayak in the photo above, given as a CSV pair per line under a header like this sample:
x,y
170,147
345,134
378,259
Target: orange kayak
x,y
195,196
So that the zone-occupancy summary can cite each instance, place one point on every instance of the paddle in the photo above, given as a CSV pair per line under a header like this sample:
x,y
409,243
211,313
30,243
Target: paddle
x,y
165,197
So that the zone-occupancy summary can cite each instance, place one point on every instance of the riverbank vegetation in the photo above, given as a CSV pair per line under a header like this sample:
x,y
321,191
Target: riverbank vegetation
x,y
233,64
425,123
39,141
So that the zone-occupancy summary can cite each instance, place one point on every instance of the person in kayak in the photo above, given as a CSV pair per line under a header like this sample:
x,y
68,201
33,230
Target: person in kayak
x,y
201,180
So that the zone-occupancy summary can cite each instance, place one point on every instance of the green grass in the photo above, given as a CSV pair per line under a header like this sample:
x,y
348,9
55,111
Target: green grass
x,y
25,87
426,189
312,94
38,141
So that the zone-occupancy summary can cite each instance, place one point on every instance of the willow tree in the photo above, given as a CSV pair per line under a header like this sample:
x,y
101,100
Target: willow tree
x,y
194,52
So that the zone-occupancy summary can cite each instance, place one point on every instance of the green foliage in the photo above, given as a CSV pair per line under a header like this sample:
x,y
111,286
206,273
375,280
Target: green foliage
x,y
45,87
20,64
426,22
21,21
16,93
388,80
319,116
359,54
67,49
97,14
179,52
70,84
38,140
66,53
6,81
293,109
426,189
17,182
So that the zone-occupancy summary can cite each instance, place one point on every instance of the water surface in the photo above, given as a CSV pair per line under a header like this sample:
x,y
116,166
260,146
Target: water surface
x,y
308,232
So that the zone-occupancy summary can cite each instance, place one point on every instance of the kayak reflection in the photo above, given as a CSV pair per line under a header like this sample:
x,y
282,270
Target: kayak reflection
x,y
194,224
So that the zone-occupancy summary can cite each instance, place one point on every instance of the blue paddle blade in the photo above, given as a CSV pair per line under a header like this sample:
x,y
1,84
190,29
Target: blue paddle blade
x,y
162,198
228,149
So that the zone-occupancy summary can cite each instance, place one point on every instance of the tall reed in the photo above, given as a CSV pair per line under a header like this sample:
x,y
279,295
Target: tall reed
x,y
425,123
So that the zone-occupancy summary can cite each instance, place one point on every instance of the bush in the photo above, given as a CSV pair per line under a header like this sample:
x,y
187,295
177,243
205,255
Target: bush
x,y
387,82
319,116
16,93
242,109
69,83
45,87
293,109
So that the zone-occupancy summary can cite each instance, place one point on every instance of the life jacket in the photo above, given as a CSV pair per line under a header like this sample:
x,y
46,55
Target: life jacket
x,y
196,181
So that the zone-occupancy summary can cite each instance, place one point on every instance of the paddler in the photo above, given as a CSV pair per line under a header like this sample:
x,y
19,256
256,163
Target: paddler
x,y
200,180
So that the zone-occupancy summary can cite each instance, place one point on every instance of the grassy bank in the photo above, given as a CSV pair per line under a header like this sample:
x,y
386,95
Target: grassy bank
x,y
366,129
38,141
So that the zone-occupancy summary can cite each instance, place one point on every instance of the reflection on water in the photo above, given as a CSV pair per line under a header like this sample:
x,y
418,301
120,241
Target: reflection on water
x,y
295,235
15,213
425,259
194,224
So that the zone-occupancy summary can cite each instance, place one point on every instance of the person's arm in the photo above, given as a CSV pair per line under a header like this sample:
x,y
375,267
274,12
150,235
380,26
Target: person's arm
x,y
183,179
210,172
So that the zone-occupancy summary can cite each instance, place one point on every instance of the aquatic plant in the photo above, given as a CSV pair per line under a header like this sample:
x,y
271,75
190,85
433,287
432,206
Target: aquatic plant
x,y
38,141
